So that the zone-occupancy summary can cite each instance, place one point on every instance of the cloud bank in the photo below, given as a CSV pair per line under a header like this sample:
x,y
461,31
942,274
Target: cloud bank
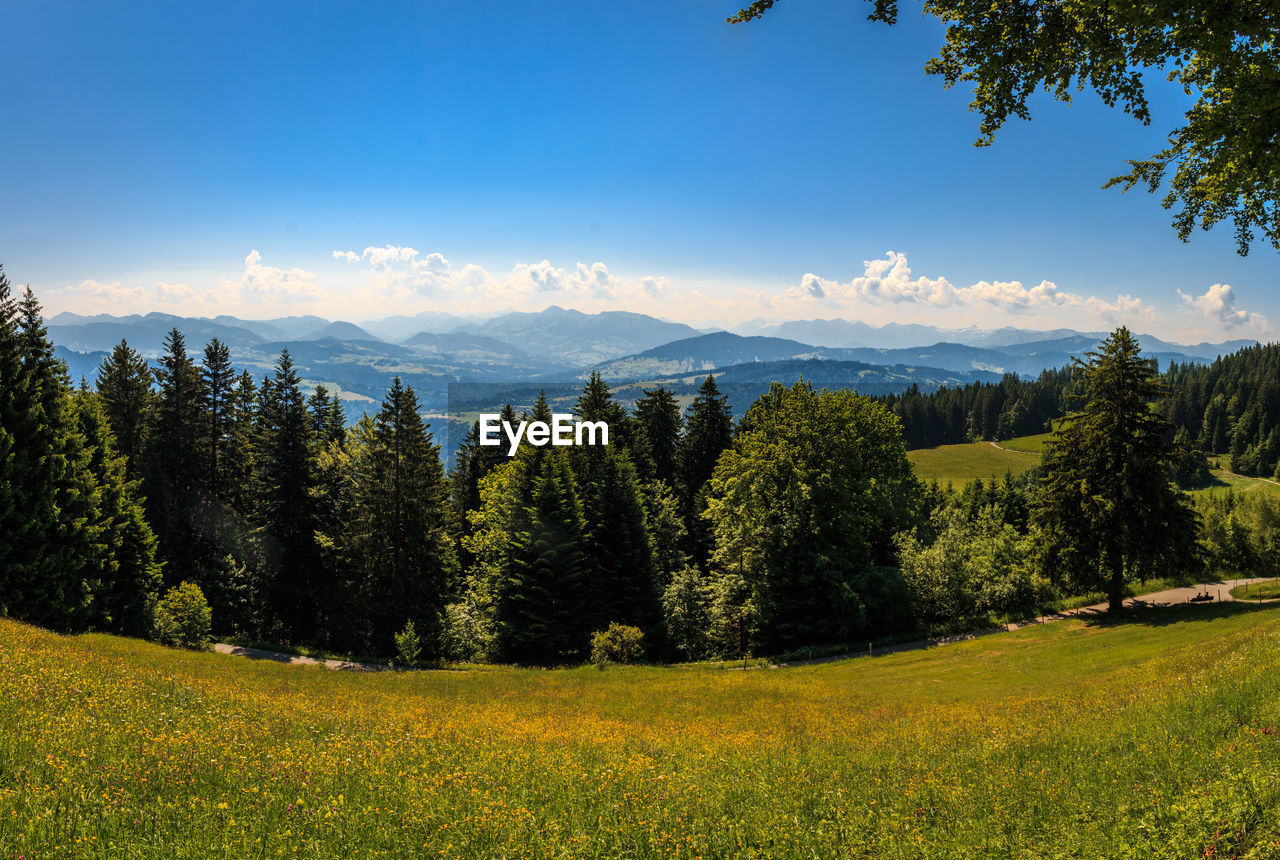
x,y
391,279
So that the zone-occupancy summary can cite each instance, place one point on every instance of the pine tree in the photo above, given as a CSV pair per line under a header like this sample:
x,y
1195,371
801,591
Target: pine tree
x,y
328,419
708,432
124,384
620,582
217,394
176,463
287,551
1105,504
659,423
22,531
127,578
49,546
398,530
538,603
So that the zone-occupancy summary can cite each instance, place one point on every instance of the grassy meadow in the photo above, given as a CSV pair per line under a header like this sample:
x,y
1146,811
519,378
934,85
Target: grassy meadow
x,y
1155,736
959,464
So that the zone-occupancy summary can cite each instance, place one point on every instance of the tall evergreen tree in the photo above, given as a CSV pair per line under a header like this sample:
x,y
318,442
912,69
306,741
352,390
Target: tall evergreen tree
x,y
621,585
328,419
47,543
1105,504
24,523
217,400
708,432
124,384
176,463
286,536
126,576
398,530
538,605
659,423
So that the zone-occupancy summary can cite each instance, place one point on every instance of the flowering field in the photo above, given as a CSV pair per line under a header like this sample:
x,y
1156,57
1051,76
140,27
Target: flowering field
x,y
1155,737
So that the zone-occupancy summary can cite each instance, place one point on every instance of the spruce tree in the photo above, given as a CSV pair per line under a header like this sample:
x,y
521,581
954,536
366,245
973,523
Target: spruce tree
x,y
328,419
538,604
1105,504
398,531
127,578
124,384
287,552
659,423
217,394
176,467
620,584
50,549
708,432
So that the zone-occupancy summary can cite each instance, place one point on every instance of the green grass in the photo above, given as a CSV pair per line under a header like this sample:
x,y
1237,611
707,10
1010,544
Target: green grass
x,y
1224,482
1030,444
959,464
1259,591
1152,736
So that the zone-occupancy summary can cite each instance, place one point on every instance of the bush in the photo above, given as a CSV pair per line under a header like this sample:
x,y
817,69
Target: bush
x,y
183,618
618,644
461,632
408,646
686,609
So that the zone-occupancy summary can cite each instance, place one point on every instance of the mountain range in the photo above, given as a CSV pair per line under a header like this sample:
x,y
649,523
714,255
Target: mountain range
x,y
557,346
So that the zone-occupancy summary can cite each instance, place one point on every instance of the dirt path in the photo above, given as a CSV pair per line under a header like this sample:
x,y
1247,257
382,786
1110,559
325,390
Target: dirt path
x,y
1219,589
296,659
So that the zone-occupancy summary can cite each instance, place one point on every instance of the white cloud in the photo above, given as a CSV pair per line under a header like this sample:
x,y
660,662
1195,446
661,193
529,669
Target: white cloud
x,y
267,283
1219,305
889,282
402,273
112,297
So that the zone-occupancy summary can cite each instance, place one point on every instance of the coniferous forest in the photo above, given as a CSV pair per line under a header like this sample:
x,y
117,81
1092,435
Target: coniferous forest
x,y
800,524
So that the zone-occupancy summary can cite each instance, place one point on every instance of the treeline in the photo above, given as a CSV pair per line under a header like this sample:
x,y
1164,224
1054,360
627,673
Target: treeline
x,y
801,525
1231,407
76,551
982,410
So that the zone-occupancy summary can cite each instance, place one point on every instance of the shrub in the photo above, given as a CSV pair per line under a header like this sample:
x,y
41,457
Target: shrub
x,y
462,632
408,646
183,617
620,643
686,605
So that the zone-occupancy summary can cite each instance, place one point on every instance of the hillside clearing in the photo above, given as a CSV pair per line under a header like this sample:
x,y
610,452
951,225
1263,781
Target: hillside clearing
x,y
959,464
1151,736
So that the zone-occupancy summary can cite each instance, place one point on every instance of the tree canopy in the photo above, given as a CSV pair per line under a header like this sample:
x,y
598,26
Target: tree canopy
x,y
1107,509
1225,157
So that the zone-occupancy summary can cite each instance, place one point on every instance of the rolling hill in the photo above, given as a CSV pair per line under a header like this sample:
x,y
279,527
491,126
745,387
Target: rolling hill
x,y
1151,736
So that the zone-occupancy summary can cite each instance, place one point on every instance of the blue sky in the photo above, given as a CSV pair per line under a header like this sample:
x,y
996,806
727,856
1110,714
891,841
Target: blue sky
x,y
357,160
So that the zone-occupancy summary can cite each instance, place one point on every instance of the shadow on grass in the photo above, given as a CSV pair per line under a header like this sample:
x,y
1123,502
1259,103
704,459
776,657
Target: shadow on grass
x,y
1151,615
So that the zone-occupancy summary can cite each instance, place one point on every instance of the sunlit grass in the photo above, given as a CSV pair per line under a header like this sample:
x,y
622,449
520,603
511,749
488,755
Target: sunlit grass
x,y
1257,591
959,464
1153,737
1030,444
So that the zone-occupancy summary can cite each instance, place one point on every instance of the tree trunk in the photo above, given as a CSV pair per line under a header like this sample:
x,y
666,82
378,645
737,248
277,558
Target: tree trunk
x,y
1115,588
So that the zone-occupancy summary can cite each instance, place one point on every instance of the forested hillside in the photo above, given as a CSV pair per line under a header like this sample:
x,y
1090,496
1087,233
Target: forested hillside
x,y
167,486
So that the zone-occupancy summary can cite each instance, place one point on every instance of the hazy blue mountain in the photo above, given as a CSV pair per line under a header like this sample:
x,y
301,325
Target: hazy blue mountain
x,y
81,365
724,349
576,338
341,331
400,326
475,347
144,333
853,333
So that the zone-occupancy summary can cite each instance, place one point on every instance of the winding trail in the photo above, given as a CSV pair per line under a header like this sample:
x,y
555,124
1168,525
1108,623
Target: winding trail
x,y
1220,589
